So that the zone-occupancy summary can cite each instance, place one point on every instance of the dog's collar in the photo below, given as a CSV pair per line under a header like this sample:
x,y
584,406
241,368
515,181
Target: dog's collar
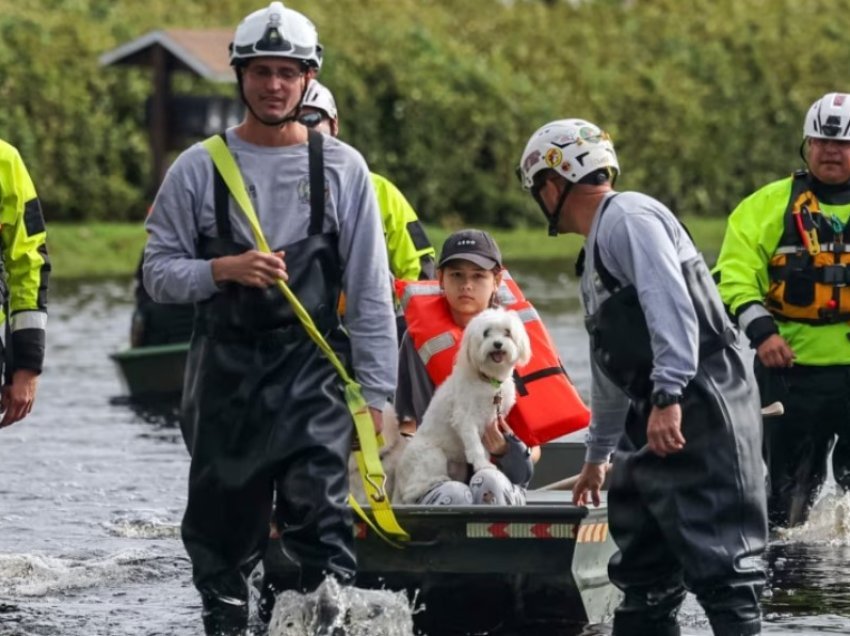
x,y
494,382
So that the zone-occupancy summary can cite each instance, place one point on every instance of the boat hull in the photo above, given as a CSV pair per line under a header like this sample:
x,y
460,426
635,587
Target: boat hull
x,y
153,373
480,568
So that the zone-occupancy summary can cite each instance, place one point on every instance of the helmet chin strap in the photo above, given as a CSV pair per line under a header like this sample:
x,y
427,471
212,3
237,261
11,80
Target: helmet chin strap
x,y
803,151
555,217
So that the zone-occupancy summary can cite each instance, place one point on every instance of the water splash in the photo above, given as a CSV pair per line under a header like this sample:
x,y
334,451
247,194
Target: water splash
x,y
35,575
828,522
337,609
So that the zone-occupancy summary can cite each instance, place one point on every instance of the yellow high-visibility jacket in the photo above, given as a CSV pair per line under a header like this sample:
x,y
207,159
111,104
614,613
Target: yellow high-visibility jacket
x,y
753,234
23,241
410,252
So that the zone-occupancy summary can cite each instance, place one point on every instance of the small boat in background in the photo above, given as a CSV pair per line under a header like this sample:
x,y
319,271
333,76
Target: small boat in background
x,y
152,373
152,367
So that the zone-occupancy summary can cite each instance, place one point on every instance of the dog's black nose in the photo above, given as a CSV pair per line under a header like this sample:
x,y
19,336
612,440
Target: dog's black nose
x,y
498,344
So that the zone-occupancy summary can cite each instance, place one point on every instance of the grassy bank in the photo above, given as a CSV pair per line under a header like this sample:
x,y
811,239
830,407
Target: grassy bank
x,y
94,250
98,250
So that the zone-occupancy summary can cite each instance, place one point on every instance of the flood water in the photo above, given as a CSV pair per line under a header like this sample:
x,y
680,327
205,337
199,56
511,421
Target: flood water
x,y
91,495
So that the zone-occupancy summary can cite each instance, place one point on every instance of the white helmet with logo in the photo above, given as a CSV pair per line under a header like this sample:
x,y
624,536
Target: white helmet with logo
x,y
319,96
276,32
829,117
573,148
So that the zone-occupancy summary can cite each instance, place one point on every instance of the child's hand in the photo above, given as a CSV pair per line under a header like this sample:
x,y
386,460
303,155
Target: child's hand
x,y
493,439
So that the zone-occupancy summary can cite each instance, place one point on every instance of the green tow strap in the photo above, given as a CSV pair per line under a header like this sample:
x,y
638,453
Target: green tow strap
x,y
368,459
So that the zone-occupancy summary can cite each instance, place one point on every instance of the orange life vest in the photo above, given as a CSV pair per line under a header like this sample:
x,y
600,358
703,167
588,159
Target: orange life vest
x,y
547,406
810,269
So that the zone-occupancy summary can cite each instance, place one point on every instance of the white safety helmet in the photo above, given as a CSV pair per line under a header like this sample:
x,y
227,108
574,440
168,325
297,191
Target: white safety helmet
x,y
571,147
319,96
829,118
276,32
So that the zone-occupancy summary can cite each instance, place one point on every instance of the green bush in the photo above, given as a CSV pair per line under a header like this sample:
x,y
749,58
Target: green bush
x,y
704,99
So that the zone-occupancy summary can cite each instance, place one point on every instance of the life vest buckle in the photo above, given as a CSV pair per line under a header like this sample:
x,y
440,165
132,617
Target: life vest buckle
x,y
836,275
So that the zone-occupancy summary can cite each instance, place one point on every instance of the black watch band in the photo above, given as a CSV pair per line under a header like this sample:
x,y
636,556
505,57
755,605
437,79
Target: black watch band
x,y
663,399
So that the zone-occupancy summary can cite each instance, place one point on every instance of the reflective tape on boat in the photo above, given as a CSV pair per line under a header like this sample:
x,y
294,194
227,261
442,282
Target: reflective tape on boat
x,y
520,530
592,533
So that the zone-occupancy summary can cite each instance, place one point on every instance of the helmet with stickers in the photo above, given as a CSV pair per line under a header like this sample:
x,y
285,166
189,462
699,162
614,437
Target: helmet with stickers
x,y
574,148
276,32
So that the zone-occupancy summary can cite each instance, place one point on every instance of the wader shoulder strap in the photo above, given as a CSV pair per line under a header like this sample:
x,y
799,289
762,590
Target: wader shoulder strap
x,y
221,200
315,152
221,194
374,478
607,278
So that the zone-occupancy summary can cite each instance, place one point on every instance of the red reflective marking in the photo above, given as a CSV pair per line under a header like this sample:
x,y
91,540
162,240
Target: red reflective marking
x,y
499,530
541,530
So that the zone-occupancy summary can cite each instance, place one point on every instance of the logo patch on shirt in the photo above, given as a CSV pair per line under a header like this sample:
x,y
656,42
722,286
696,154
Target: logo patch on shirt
x,y
304,190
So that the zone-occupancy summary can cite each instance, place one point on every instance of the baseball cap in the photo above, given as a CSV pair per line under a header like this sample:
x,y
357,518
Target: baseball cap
x,y
475,246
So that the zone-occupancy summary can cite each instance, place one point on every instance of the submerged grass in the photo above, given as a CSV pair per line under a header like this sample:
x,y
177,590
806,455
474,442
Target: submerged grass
x,y
99,250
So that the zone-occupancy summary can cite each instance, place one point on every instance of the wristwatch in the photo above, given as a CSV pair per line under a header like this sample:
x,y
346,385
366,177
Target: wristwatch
x,y
662,399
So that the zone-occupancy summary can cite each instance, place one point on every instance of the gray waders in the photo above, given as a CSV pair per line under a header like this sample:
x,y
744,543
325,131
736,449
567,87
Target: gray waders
x,y
694,520
264,413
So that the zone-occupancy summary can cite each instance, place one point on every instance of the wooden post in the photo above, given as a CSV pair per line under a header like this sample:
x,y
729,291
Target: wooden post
x,y
159,114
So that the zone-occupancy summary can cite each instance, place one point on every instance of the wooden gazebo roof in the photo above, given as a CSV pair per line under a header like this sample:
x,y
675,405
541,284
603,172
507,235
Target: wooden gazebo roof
x,y
199,51
203,52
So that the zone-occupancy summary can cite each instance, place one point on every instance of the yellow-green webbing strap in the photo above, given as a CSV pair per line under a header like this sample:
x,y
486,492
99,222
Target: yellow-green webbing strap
x,y
369,462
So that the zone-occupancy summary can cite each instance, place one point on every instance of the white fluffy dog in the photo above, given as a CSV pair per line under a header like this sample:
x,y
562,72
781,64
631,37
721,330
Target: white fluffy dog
x,y
480,386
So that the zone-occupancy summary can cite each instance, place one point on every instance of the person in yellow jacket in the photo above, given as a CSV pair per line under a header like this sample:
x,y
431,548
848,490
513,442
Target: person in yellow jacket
x,y
410,252
23,285
783,273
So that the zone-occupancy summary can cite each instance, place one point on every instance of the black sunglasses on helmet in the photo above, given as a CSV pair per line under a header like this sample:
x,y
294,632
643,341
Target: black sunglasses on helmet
x,y
311,120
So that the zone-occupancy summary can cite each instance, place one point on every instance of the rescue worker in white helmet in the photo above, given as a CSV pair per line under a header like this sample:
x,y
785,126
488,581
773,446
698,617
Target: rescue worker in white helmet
x,y
410,253
783,273
671,397
264,406
275,32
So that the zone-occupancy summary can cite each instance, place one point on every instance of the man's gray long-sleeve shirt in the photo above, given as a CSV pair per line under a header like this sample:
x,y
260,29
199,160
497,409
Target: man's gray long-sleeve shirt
x,y
278,183
641,243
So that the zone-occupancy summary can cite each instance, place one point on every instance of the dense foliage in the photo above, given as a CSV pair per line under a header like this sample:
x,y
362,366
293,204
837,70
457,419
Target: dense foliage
x,y
704,99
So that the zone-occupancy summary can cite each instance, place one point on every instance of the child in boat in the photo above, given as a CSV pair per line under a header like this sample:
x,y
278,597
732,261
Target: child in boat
x,y
469,273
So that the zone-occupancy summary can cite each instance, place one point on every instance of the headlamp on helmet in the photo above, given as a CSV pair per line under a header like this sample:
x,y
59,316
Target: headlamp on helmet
x,y
276,32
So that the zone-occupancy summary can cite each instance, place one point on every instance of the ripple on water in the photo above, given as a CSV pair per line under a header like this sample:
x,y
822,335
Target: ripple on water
x,y
143,525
